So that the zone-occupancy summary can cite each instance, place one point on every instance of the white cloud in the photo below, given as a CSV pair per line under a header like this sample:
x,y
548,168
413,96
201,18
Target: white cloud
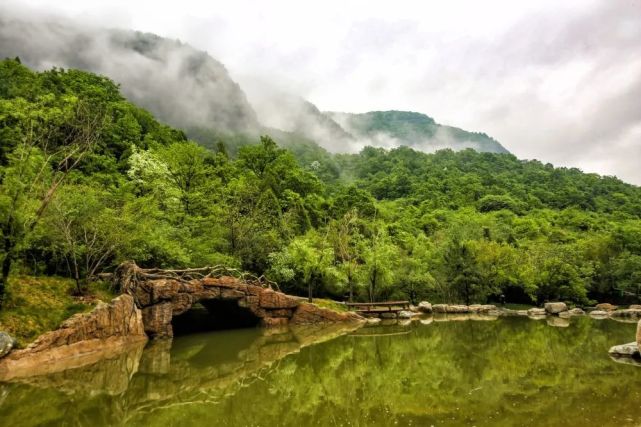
x,y
550,80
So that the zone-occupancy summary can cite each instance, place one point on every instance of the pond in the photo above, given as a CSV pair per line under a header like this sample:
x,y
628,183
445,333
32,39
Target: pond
x,y
505,372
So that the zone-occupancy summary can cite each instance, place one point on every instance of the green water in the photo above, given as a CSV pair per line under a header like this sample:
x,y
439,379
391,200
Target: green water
x,y
507,372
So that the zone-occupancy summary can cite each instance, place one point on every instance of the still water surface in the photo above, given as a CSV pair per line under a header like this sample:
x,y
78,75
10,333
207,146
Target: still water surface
x,y
507,372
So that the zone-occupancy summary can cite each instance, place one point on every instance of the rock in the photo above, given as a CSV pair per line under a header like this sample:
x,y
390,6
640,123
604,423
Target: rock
x,y
555,307
404,322
405,314
635,307
426,321
389,315
507,312
558,322
599,314
565,314
373,320
606,307
633,361
273,300
537,316
6,344
119,318
81,339
424,307
481,308
521,313
456,309
439,308
307,314
576,312
628,314
625,350
157,320
639,335
536,312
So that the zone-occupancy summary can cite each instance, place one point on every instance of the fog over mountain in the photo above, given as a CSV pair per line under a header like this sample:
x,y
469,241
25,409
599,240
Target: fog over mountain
x,y
190,89
178,83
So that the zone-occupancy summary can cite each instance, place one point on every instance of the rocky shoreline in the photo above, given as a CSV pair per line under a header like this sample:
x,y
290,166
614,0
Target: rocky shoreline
x,y
557,309
146,311
130,318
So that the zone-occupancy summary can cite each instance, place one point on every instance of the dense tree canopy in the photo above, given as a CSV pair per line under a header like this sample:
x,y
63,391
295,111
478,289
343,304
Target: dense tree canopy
x,y
88,179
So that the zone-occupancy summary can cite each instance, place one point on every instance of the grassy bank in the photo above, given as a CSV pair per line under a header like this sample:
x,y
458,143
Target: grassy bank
x,y
331,304
35,305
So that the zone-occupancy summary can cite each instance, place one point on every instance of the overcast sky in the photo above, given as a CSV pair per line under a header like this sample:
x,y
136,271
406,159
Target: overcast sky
x,y
557,81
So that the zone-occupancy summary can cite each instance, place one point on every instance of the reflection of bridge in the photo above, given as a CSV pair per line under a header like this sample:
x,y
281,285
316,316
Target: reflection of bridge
x,y
196,370
382,330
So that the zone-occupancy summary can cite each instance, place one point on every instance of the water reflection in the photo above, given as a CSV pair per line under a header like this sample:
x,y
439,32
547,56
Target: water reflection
x,y
508,372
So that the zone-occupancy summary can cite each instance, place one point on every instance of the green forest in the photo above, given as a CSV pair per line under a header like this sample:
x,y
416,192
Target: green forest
x,y
88,180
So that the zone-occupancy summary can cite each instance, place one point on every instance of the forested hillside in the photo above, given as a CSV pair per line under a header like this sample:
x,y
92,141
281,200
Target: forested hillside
x,y
416,130
87,180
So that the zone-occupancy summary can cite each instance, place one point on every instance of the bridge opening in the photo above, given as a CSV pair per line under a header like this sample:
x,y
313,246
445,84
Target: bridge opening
x,y
213,315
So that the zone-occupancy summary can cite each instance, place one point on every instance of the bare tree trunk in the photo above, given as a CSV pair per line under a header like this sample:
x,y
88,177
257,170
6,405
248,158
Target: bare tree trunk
x,y
4,276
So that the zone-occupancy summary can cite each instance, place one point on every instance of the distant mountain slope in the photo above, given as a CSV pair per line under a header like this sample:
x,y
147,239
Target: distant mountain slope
x,y
181,85
416,130
189,89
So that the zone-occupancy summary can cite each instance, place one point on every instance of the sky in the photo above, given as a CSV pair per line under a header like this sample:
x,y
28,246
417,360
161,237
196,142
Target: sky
x,y
555,81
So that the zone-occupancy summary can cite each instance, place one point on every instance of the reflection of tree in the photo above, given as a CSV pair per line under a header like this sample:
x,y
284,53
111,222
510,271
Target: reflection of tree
x,y
507,372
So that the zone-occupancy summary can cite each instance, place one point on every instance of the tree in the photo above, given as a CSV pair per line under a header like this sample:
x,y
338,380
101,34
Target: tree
x,y
345,238
379,255
462,272
308,260
86,231
50,141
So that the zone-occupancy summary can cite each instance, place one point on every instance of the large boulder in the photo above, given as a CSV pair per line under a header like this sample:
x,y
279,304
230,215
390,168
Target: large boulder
x,y
404,314
424,307
6,344
555,307
599,314
606,306
625,350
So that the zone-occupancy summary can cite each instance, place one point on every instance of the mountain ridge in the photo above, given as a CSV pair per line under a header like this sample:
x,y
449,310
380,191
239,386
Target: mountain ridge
x,y
189,89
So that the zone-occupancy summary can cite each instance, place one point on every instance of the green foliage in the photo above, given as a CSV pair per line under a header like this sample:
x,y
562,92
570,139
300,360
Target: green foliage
x,y
380,224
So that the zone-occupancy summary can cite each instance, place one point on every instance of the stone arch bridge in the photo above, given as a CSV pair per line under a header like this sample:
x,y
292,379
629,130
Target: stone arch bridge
x,y
163,294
